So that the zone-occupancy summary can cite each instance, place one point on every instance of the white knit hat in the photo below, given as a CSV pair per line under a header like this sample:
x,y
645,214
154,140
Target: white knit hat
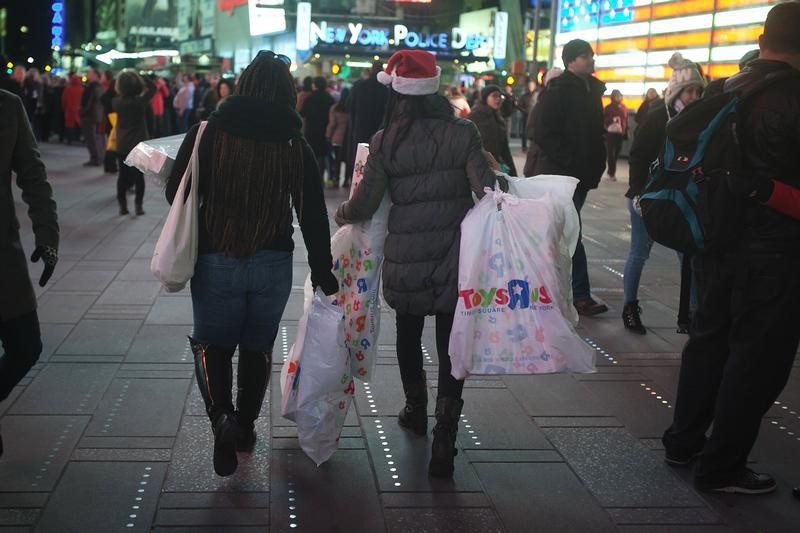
x,y
684,74
412,72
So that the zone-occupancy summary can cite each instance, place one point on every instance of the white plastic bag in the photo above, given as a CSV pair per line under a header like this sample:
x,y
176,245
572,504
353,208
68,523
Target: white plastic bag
x,y
316,385
562,189
175,252
510,317
357,251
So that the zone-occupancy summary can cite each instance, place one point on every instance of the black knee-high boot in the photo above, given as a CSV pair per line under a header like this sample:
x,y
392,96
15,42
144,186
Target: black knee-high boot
x,y
443,450
214,374
414,415
252,380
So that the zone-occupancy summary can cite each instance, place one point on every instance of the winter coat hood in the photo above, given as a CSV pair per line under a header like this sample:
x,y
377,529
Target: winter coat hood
x,y
252,118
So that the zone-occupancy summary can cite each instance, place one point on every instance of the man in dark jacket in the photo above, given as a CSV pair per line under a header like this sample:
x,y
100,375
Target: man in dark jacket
x,y
492,126
367,105
315,112
745,332
569,131
91,117
19,324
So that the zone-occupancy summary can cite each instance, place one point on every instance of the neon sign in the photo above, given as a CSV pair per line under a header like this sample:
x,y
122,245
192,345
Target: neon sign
x,y
57,25
398,36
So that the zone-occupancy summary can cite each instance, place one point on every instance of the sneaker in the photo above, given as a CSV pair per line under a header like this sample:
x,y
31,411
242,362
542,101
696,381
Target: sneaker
x,y
673,459
683,328
631,317
588,307
749,483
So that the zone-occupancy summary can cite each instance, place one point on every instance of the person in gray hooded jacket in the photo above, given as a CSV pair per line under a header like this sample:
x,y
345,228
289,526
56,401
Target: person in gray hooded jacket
x,y
430,163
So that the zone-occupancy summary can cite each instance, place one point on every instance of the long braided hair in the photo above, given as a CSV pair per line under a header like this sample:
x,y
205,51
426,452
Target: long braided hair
x,y
256,183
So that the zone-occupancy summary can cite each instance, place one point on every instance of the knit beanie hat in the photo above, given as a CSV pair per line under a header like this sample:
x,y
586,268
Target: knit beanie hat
x,y
412,72
573,49
684,74
486,91
748,58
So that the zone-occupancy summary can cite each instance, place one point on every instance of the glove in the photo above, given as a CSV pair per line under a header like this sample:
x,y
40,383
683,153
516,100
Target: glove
x,y
49,257
339,216
327,281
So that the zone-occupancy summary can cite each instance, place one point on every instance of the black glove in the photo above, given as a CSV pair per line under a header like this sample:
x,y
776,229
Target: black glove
x,y
49,257
328,283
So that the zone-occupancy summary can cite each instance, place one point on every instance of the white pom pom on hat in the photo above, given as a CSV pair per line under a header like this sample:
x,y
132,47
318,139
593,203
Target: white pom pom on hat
x,y
412,72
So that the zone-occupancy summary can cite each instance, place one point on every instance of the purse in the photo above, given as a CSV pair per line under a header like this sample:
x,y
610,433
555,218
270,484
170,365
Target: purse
x,y
175,253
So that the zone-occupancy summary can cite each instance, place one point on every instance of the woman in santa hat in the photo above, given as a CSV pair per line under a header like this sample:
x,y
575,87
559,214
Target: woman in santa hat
x,y
430,162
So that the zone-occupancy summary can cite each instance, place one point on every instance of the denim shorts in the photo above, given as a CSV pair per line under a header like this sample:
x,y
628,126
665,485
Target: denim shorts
x,y
240,301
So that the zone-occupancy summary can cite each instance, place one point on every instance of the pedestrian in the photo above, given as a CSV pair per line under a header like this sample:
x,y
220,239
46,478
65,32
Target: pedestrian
x,y
686,85
569,132
650,98
19,323
615,120
184,103
71,104
525,102
305,91
157,106
223,90
459,103
492,126
367,105
314,111
336,134
745,331
110,159
18,75
130,105
431,163
54,108
32,97
530,131
91,118
250,179
507,109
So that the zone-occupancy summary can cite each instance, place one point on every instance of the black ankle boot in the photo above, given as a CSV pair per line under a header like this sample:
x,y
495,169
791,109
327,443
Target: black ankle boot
x,y
443,450
214,374
252,381
123,208
632,319
414,415
139,210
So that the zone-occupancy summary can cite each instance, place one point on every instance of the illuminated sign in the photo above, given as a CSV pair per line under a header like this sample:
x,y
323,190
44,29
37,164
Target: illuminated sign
x,y
399,36
303,31
265,18
57,25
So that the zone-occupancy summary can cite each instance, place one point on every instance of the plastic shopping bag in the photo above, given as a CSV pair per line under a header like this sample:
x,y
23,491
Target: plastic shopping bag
x,y
508,318
155,157
562,189
176,250
316,385
357,251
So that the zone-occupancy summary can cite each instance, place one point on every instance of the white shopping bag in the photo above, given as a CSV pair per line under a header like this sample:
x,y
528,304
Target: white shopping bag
x,y
509,318
316,385
357,251
175,253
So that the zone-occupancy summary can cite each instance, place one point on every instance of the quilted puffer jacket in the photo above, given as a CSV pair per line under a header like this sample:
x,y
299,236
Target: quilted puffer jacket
x,y
431,172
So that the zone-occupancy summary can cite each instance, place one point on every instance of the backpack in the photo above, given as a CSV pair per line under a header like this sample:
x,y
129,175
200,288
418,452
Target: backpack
x,y
688,203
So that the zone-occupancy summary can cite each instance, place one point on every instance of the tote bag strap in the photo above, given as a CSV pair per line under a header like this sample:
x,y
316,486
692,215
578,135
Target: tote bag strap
x,y
192,173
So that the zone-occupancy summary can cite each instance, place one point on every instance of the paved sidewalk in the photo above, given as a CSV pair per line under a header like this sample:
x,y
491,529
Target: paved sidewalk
x,y
108,432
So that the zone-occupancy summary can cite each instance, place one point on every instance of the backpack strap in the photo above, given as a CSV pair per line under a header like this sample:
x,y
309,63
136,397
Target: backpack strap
x,y
768,81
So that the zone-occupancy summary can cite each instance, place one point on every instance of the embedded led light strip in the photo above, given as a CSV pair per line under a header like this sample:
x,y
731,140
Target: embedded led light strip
x,y
656,395
783,427
387,453
59,442
427,355
186,351
370,399
285,343
613,271
292,494
117,404
138,499
604,353
469,429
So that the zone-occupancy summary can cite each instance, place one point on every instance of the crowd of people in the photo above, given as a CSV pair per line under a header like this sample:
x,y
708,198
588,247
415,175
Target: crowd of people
x,y
432,153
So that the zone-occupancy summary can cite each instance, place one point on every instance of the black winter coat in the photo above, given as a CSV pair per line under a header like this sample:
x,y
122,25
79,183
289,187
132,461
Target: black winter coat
x,y
132,119
494,136
315,111
569,129
367,106
244,117
646,146
770,139
19,154
430,174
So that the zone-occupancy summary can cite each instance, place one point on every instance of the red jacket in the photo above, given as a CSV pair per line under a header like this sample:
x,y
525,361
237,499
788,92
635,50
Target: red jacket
x,y
71,101
614,111
157,102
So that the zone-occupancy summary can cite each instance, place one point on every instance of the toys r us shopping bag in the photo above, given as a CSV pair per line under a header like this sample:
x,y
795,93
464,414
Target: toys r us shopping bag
x,y
510,317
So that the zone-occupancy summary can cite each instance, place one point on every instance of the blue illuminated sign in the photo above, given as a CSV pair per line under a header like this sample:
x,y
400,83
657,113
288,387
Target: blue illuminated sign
x,y
57,25
399,36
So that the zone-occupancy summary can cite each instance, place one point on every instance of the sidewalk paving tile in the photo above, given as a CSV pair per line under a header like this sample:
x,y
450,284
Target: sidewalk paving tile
x,y
100,337
437,520
130,493
492,419
65,389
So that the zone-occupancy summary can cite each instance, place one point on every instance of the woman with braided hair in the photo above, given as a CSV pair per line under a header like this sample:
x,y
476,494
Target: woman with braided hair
x,y
255,167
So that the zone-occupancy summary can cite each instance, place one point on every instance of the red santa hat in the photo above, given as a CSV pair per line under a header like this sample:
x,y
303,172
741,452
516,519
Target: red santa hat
x,y
412,72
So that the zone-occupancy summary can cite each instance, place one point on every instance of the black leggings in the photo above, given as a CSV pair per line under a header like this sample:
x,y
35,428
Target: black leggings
x,y
409,352
129,176
22,344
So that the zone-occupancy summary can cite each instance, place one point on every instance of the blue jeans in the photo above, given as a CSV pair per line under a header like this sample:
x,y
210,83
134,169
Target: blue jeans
x,y
641,243
580,270
240,301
